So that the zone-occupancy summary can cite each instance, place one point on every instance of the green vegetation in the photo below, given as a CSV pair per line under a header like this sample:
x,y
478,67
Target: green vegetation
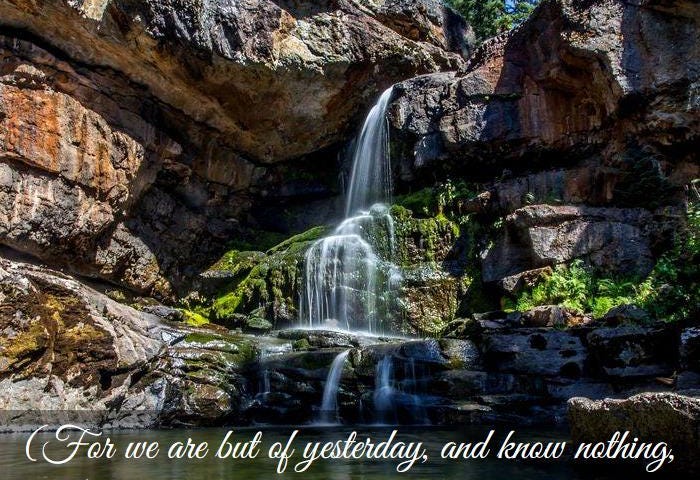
x,y
257,241
671,291
445,198
267,280
194,319
491,17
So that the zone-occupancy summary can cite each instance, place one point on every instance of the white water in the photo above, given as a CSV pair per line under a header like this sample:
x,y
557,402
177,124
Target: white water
x,y
329,405
390,394
349,278
370,181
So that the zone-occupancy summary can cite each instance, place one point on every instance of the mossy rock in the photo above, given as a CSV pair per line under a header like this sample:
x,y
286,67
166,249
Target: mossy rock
x,y
421,240
194,319
271,284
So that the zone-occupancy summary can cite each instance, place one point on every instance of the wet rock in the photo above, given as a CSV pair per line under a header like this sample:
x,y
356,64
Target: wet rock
x,y
460,383
322,338
626,314
690,349
651,417
552,316
535,352
633,351
162,311
461,354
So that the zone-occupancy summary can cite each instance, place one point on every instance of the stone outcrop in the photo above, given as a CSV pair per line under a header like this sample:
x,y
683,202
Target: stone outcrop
x,y
70,353
136,137
617,241
576,79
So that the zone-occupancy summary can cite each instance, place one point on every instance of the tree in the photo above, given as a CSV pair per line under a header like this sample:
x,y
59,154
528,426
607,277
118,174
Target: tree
x,y
491,17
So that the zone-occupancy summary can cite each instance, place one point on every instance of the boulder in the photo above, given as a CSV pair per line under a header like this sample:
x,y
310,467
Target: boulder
x,y
626,314
67,347
614,241
652,417
535,352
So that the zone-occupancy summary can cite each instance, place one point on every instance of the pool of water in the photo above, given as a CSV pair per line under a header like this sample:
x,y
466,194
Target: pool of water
x,y
15,465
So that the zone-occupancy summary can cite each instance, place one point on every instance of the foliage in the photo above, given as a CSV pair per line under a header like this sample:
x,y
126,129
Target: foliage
x,y
443,199
670,292
422,202
491,17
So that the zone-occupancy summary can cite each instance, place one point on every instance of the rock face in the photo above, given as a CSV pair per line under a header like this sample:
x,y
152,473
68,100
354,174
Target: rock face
x,y
135,137
611,240
66,347
653,417
576,77
579,123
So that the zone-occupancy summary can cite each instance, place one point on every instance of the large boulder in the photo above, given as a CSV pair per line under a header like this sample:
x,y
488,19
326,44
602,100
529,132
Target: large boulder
x,y
652,417
614,241
65,347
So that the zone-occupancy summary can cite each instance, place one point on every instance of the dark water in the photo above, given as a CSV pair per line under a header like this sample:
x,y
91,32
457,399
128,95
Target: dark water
x,y
15,465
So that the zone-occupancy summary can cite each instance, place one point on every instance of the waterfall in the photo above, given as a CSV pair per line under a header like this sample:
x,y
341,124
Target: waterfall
x,y
329,405
349,278
395,399
384,392
370,181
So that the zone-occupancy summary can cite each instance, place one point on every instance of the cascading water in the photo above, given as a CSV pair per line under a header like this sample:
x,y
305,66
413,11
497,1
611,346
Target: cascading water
x,y
393,396
349,278
329,405
370,181
384,392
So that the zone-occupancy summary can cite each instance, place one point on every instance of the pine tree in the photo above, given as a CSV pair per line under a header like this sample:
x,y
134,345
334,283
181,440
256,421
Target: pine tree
x,y
491,17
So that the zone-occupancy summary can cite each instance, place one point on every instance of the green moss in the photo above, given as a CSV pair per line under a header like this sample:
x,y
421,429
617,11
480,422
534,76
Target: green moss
x,y
201,337
225,306
235,261
270,281
256,240
301,345
310,235
194,319
422,202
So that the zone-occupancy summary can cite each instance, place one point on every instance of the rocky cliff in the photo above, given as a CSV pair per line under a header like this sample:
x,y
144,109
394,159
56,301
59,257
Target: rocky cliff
x,y
581,127
138,138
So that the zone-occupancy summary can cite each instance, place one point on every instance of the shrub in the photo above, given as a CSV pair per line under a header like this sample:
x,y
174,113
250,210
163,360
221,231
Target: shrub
x,y
671,291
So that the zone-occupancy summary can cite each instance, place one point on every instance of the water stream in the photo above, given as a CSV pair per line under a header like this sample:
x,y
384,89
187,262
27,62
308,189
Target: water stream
x,y
349,278
329,405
